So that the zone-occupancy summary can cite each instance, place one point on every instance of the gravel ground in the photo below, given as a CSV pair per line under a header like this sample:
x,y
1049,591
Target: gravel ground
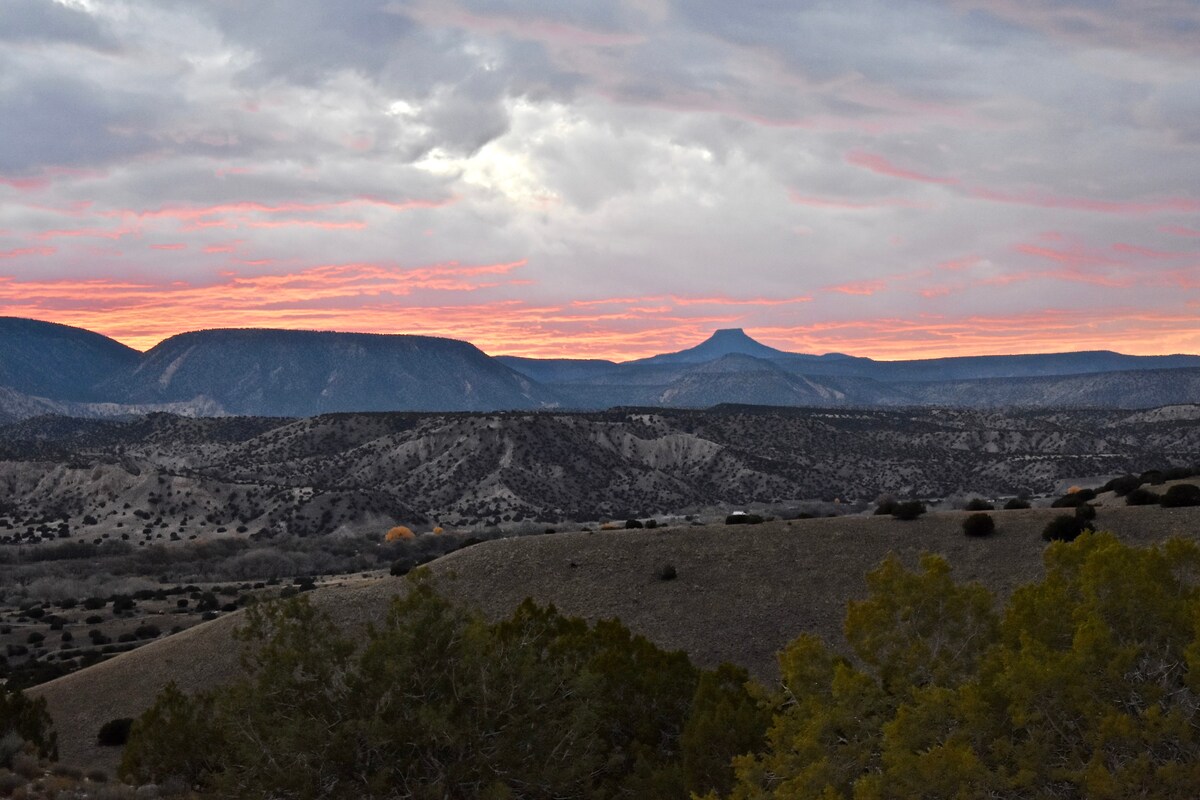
x,y
742,592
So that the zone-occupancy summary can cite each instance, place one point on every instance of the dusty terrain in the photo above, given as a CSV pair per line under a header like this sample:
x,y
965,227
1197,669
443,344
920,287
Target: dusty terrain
x,y
741,593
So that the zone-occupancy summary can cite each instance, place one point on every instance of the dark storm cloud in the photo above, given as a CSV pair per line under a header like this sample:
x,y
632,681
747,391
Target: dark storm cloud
x,y
50,120
303,41
32,21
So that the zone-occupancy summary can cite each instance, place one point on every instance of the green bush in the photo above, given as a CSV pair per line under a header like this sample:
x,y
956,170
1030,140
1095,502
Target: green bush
x,y
1142,497
1085,512
1079,687
26,720
1064,528
909,510
744,519
978,504
114,733
1122,485
1180,495
1016,504
1073,499
633,524
979,525
445,704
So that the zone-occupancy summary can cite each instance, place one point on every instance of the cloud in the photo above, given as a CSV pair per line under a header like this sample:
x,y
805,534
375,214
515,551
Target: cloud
x,y
791,167
878,164
46,21
51,121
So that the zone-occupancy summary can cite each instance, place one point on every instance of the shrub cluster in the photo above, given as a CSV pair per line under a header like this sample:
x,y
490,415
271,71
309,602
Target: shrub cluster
x,y
908,510
24,724
1079,687
1180,495
1072,499
115,732
1141,497
444,704
1068,527
979,525
744,519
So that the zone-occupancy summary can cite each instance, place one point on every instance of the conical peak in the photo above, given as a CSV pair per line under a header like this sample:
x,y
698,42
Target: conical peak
x,y
729,333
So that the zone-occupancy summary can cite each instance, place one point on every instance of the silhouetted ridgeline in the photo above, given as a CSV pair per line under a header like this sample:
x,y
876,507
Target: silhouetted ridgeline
x,y
47,368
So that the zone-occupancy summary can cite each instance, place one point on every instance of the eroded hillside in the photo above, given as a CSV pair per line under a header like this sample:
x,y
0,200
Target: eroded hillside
x,y
161,478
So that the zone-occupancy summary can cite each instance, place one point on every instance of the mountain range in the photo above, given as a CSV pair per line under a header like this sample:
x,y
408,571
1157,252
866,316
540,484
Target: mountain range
x,y
47,368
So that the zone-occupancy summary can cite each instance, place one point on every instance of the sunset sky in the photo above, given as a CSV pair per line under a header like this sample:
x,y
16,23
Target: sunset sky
x,y
609,179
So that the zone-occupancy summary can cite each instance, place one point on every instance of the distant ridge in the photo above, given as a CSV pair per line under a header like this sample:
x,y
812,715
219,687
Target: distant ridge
x,y
46,368
301,373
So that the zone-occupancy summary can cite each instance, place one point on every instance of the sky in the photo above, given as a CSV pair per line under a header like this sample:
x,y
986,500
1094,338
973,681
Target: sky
x,y
556,178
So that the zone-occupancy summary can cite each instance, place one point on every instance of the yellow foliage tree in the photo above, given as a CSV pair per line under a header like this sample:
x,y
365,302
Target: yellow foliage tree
x,y
1085,686
398,533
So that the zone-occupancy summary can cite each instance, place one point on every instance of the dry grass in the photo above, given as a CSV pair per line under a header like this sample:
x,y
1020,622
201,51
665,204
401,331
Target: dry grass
x,y
741,593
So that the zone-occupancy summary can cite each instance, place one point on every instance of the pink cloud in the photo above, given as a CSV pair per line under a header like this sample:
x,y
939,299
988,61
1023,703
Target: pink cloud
x,y
848,205
1076,256
88,233
21,252
1040,199
954,265
45,177
1147,252
25,184
173,246
867,288
880,165
1179,230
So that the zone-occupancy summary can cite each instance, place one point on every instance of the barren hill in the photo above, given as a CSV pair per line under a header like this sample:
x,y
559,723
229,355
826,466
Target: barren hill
x,y
345,472
741,593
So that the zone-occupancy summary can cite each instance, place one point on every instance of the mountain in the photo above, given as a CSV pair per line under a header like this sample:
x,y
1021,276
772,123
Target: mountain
x,y
738,378
731,367
724,342
557,370
1019,366
58,362
1142,388
47,368
302,373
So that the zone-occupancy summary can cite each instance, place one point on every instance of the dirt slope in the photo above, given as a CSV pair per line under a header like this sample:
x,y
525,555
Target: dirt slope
x,y
740,595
